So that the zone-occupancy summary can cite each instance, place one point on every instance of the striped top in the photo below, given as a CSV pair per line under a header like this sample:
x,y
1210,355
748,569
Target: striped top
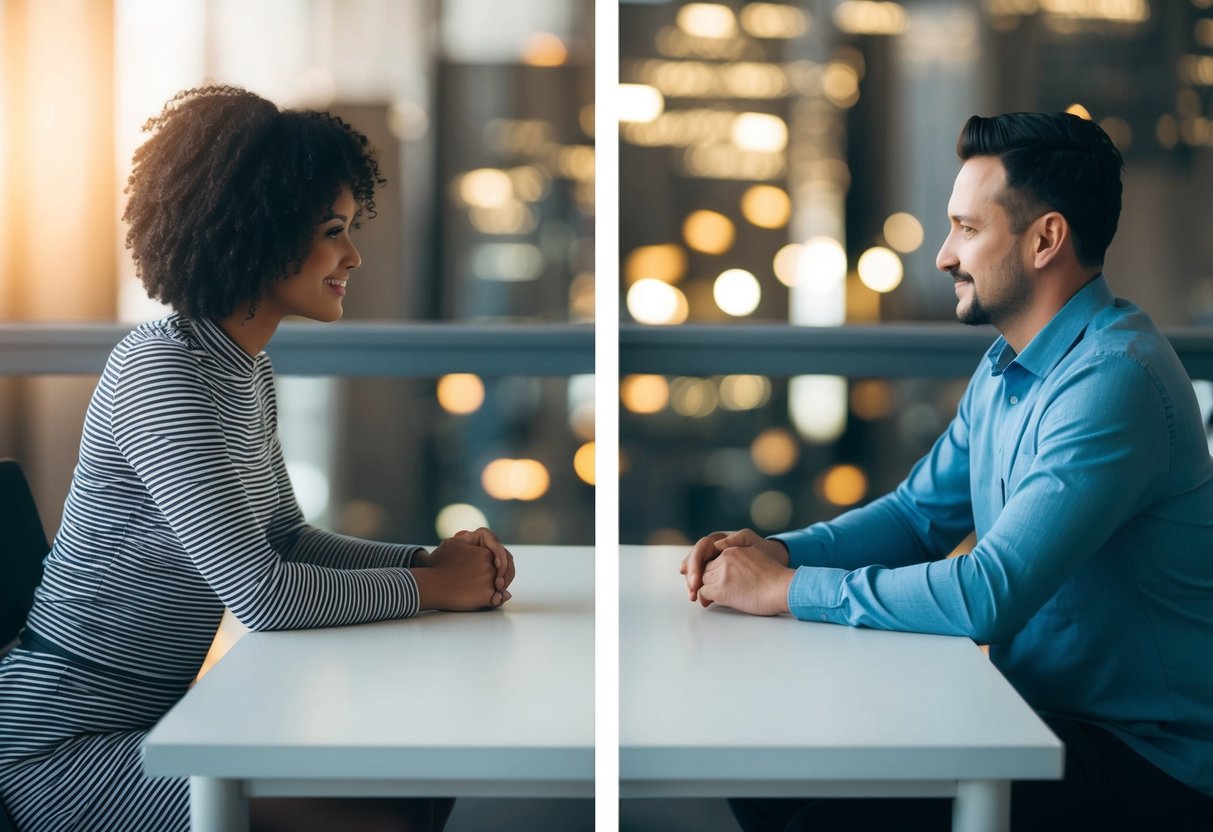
x,y
181,505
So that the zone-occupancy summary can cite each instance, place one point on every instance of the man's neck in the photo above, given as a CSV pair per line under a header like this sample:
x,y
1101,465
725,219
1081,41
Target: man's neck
x,y
1054,293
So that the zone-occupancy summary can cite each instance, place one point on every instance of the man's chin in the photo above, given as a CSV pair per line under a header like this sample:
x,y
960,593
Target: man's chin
x,y
970,314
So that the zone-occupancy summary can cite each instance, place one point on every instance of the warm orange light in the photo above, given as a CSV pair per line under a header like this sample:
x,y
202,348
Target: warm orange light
x,y
644,393
844,485
775,451
544,49
583,462
708,231
515,479
460,393
666,262
1077,109
871,399
766,206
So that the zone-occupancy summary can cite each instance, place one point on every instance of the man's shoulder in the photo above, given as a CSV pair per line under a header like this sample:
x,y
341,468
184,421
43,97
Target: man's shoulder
x,y
1123,332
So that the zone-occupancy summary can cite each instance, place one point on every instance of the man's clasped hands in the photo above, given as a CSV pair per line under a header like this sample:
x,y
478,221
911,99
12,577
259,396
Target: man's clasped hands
x,y
739,569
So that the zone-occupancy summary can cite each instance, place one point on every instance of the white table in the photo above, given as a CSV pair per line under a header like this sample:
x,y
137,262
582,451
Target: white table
x,y
487,704
715,703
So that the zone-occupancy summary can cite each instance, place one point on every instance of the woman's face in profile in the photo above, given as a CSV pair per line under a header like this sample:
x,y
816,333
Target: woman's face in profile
x,y
317,289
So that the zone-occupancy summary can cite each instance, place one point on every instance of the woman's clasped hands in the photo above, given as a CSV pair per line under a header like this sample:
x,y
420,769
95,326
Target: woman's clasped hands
x,y
468,571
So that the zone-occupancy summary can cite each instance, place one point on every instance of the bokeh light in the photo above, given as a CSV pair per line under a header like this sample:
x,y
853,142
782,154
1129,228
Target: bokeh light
x,y
580,398
695,397
818,406
651,301
708,231
639,103
737,292
771,510
744,392
866,17
515,479
666,262
544,49
872,399
785,263
706,20
583,463
760,132
840,83
775,451
844,485
644,393
581,297
486,188
773,20
1077,109
458,517
460,393
766,206
822,265
880,269
903,232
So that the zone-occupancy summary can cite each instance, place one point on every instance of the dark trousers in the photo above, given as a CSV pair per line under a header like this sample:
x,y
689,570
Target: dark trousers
x,y
1107,786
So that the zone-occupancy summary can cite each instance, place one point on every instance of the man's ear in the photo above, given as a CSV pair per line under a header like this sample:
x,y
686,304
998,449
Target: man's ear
x,y
1049,234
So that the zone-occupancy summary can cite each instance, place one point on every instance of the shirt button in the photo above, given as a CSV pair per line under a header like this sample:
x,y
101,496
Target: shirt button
x,y
823,617
1015,400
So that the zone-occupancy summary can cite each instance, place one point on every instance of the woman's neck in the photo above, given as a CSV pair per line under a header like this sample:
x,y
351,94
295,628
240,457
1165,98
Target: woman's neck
x,y
250,333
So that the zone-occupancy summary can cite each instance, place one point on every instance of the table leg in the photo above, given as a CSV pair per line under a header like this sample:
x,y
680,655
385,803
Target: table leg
x,y
982,806
217,805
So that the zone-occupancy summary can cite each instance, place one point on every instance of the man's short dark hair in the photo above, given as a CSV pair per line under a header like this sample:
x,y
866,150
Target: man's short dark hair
x,y
1054,162
228,192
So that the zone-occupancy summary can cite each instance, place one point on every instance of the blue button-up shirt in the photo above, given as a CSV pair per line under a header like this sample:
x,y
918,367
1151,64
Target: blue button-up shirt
x,y
1083,466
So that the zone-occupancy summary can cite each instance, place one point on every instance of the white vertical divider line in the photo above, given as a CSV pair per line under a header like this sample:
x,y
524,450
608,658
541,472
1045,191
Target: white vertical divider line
x,y
606,416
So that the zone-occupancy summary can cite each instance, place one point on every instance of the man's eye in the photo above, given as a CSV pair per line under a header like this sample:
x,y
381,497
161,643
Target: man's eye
x,y
968,229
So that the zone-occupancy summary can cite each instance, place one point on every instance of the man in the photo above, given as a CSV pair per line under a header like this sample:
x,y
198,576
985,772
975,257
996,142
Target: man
x,y
1078,456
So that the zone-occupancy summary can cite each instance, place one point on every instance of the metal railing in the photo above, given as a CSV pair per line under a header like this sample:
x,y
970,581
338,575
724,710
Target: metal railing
x,y
432,349
921,350
417,350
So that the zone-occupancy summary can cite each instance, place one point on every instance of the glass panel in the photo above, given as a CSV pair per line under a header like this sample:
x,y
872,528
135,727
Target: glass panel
x,y
793,161
442,88
727,452
407,460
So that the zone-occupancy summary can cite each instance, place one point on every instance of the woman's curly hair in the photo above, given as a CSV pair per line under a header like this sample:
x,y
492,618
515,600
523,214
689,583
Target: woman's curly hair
x,y
226,195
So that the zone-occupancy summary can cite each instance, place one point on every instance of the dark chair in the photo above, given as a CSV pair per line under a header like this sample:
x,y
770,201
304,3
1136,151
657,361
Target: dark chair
x,y
22,547
21,552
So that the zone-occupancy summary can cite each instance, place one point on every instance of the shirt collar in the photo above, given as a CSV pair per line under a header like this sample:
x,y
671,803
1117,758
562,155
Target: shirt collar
x,y
219,345
1052,343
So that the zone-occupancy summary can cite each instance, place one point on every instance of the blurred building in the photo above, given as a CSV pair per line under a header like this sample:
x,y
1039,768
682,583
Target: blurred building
x,y
484,127
791,162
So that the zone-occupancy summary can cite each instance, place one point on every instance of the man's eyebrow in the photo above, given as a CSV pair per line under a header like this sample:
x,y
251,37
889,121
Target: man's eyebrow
x,y
960,217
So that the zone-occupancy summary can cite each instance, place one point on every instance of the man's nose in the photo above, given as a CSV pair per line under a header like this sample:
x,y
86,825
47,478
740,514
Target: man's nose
x,y
946,260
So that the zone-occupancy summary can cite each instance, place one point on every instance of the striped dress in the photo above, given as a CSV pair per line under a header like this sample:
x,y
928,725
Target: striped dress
x,y
180,505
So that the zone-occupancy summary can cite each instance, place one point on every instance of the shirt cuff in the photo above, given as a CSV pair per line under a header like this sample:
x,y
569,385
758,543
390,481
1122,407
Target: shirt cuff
x,y
409,555
814,593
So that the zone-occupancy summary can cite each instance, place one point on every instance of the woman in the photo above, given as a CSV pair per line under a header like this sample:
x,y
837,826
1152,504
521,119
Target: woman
x,y
240,214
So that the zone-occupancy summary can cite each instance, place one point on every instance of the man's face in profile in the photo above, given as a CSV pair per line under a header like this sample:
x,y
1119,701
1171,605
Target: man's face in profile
x,y
981,252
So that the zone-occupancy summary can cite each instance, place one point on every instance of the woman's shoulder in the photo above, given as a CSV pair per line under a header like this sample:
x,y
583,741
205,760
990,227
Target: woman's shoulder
x,y
164,345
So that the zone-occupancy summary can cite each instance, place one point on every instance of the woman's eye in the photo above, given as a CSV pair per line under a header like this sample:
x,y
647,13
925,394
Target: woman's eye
x,y
334,233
